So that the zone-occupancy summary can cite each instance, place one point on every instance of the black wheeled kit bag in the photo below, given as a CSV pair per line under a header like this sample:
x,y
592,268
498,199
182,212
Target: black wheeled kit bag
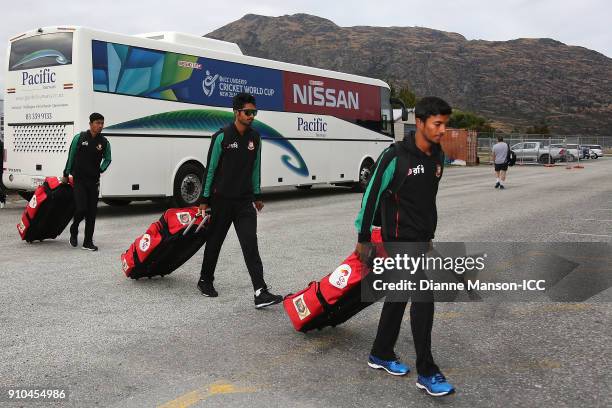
x,y
167,244
48,212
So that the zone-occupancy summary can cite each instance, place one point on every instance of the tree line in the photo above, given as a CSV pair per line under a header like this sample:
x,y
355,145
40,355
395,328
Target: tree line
x,y
463,119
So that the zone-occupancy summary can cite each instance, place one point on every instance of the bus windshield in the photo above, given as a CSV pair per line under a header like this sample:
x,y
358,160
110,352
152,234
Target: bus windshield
x,y
41,51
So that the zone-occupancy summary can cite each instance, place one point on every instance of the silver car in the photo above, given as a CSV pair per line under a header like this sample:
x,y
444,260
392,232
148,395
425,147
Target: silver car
x,y
537,152
596,151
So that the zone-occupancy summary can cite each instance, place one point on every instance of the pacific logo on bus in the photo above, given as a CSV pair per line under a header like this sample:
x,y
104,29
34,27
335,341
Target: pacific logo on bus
x,y
43,76
314,125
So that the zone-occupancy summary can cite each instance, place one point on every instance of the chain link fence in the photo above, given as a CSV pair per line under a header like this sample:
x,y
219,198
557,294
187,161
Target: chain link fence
x,y
546,149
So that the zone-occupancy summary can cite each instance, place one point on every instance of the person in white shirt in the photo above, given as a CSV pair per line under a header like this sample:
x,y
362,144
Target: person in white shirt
x,y
500,160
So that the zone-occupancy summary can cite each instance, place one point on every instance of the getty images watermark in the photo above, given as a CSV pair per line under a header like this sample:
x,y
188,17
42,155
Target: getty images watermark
x,y
410,264
505,271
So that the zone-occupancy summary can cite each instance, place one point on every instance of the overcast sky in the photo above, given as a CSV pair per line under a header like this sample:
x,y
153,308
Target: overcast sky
x,y
585,23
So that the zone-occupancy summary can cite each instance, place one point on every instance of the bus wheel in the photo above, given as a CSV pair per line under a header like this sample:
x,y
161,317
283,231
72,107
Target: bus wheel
x,y
26,195
188,185
365,172
116,202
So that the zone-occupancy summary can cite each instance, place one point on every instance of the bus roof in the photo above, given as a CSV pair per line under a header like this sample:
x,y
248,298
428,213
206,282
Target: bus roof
x,y
193,45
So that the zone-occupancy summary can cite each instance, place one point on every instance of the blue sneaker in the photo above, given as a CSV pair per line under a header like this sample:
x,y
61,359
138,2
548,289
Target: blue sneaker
x,y
435,385
393,367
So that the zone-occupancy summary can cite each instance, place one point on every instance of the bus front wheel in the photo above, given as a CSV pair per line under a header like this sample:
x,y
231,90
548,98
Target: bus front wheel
x,y
365,172
188,185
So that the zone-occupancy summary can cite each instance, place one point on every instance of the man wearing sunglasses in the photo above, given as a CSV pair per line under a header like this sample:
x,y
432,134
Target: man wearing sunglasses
x,y
232,191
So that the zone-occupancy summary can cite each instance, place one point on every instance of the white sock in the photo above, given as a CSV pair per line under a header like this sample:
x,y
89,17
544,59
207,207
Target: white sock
x,y
497,179
501,183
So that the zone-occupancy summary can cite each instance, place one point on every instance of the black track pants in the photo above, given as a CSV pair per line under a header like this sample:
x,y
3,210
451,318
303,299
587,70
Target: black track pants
x,y
243,215
86,199
421,323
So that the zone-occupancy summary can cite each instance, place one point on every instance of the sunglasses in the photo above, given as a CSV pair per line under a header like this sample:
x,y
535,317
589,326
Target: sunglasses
x,y
249,112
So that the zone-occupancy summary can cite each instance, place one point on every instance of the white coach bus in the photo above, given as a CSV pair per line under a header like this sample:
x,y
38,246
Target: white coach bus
x,y
164,94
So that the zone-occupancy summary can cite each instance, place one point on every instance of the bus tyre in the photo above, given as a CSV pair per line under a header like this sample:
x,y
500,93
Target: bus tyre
x,y
365,172
116,202
188,185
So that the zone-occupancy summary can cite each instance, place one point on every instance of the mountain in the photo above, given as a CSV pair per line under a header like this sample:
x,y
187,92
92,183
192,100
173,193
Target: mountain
x,y
514,83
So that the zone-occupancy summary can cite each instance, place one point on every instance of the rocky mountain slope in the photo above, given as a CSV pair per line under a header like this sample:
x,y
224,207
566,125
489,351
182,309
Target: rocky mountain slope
x,y
514,83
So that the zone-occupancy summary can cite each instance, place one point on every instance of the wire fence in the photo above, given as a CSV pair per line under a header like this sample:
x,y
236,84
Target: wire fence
x,y
546,149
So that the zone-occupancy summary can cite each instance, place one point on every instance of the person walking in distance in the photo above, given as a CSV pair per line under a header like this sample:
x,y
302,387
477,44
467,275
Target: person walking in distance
x,y
89,156
500,161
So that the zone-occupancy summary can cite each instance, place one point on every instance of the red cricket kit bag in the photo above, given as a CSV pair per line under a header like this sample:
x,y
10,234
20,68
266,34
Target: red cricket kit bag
x,y
335,298
49,211
167,244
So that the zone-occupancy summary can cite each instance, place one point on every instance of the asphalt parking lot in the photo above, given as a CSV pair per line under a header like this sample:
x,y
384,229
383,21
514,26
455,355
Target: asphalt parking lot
x,y
70,319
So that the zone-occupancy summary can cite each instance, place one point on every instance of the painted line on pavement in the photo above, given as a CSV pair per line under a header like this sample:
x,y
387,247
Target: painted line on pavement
x,y
595,219
193,397
586,235
565,307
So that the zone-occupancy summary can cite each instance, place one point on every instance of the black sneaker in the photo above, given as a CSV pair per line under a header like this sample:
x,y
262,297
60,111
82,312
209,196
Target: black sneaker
x,y
207,289
90,247
497,185
264,298
501,187
73,241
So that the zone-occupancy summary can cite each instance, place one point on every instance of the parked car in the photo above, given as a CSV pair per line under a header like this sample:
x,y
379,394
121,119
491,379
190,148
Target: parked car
x,y
596,151
586,152
537,152
571,151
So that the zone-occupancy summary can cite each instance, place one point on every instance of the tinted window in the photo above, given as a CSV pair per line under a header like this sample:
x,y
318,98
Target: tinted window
x,y
386,111
41,51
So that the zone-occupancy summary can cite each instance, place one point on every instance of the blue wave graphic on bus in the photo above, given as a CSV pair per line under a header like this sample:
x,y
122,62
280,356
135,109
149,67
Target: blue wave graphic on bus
x,y
59,57
212,120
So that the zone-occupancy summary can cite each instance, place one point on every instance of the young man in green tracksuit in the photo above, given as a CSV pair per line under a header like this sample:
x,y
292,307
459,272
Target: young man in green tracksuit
x,y
90,155
232,191
407,215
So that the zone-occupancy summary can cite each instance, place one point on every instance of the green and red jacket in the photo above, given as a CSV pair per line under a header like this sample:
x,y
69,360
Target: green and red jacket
x,y
233,169
88,157
409,214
